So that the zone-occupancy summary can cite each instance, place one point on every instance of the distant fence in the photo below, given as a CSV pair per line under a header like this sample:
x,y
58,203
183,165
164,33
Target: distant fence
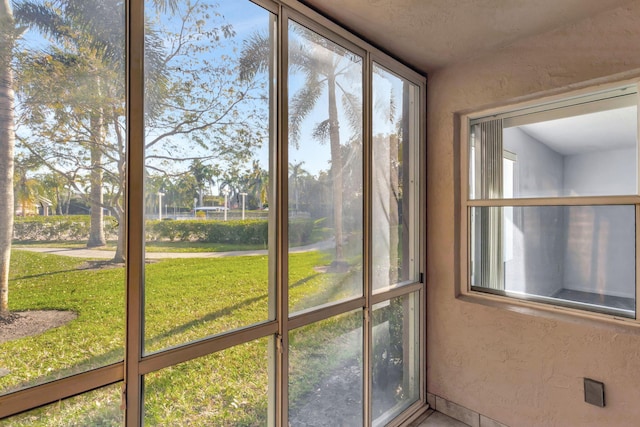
x,y
214,215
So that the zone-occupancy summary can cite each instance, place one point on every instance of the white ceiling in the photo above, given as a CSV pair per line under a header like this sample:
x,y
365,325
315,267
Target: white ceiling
x,y
603,130
430,34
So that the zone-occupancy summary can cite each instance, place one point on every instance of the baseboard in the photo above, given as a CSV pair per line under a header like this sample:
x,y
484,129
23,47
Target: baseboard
x,y
460,413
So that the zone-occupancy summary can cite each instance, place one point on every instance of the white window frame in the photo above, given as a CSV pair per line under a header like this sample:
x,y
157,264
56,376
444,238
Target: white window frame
x,y
573,102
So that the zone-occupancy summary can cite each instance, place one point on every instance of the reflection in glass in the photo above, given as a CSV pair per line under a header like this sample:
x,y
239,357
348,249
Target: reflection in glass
x,y
325,361
64,314
222,389
394,203
576,151
208,184
101,407
583,256
396,357
325,169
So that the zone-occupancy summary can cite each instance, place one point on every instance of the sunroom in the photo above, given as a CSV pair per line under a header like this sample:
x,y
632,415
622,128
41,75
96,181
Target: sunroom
x,y
260,215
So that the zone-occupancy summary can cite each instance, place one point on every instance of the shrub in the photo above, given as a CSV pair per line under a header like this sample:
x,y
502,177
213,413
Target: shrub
x,y
211,231
300,231
76,227
59,227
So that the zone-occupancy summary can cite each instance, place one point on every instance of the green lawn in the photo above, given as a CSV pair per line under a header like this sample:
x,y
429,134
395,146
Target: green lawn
x,y
152,246
186,299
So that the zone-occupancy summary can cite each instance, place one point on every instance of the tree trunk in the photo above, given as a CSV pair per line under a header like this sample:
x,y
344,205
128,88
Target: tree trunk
x,y
96,230
393,209
336,166
119,257
117,203
7,140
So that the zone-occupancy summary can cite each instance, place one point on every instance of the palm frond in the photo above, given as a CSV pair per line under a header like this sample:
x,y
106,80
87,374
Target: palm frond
x,y
166,5
352,104
44,18
256,55
300,105
321,131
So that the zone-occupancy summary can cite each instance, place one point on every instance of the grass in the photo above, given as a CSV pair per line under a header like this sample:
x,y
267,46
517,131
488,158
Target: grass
x,y
178,246
152,246
94,338
186,299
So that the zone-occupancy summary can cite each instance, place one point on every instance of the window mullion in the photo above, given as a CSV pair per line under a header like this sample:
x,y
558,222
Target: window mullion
x,y
637,258
559,201
367,147
134,210
282,236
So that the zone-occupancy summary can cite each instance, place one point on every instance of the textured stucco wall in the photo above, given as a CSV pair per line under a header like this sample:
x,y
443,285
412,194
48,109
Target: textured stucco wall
x,y
520,368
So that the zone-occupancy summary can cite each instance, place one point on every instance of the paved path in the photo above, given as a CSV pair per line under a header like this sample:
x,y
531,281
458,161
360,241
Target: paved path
x,y
102,254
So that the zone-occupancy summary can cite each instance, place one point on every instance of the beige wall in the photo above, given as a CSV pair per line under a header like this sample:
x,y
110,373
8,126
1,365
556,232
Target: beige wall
x,y
523,369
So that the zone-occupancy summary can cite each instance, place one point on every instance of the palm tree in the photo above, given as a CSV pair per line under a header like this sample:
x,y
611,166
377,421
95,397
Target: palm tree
x,y
296,174
323,64
203,174
8,34
258,184
91,34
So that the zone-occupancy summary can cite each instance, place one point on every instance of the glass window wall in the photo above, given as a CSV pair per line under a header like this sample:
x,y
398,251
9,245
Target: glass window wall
x,y
215,203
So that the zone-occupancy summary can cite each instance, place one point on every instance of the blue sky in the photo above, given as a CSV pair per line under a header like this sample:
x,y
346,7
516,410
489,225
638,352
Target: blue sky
x,y
246,18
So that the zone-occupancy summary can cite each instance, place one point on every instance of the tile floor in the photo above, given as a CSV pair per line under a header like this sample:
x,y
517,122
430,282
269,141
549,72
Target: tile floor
x,y
437,419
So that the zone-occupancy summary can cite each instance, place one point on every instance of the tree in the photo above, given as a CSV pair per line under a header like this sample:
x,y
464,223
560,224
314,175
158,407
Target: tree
x,y
56,188
8,34
296,180
72,97
183,190
258,184
74,86
72,102
203,175
26,190
324,65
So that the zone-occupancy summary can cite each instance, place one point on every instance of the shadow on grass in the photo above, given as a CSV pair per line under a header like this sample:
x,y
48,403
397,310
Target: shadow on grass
x,y
86,266
218,313
48,273
116,355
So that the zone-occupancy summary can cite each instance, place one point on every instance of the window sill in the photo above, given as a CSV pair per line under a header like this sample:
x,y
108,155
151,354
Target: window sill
x,y
551,312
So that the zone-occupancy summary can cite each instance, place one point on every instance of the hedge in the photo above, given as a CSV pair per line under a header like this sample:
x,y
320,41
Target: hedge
x,y
200,230
76,227
59,227
252,231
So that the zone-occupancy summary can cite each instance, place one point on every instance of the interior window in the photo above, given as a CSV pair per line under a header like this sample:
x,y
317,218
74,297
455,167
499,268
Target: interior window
x,y
534,234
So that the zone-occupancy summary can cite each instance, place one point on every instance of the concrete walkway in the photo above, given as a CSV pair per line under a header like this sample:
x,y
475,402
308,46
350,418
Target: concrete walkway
x,y
102,254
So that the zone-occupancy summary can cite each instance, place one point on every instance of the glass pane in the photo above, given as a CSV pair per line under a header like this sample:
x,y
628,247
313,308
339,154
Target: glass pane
x,y
64,311
209,169
396,357
394,203
101,407
585,150
325,170
582,256
325,372
229,388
